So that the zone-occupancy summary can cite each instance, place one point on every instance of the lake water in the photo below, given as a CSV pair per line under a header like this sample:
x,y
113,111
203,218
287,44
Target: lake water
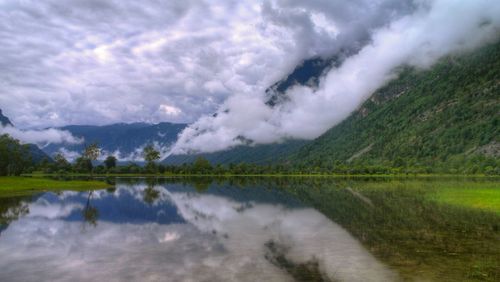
x,y
249,229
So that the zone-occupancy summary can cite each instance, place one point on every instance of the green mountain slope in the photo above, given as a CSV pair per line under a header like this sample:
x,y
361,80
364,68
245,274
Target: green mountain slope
x,y
260,154
444,119
9,147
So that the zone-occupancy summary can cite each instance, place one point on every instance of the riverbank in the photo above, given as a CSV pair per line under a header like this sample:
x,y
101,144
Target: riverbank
x,y
403,175
483,193
18,185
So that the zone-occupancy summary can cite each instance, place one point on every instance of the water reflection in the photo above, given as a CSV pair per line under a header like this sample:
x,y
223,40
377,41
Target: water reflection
x,y
150,231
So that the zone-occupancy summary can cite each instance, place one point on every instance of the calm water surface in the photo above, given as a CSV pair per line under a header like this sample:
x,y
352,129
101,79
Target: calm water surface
x,y
252,230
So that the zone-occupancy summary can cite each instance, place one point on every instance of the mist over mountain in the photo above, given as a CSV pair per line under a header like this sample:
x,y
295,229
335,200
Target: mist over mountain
x,y
442,117
307,73
124,141
35,154
244,80
417,37
445,117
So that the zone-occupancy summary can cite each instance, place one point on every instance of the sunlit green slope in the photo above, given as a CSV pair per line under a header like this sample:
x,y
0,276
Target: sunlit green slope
x,y
443,119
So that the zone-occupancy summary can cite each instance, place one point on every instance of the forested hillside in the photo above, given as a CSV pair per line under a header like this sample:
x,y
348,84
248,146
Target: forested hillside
x,y
15,156
443,119
260,154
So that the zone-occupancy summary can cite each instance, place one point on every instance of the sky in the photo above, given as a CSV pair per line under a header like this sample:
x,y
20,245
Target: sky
x,y
101,62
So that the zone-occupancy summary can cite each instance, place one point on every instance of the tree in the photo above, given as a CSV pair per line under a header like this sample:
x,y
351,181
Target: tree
x,y
61,162
110,162
14,157
83,165
150,155
91,153
202,165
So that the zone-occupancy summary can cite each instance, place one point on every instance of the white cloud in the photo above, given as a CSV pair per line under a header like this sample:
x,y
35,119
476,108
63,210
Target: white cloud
x,y
68,154
41,137
170,110
136,154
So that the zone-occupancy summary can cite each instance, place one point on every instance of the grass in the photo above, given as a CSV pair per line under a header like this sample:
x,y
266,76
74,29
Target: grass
x,y
18,186
479,198
318,175
481,195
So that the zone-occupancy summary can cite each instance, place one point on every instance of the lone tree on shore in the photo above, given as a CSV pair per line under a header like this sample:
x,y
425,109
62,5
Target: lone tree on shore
x,y
110,162
61,162
91,153
150,155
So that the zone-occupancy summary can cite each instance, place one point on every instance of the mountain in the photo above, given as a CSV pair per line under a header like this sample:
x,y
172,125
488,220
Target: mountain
x,y
307,73
4,120
127,139
445,118
34,153
259,154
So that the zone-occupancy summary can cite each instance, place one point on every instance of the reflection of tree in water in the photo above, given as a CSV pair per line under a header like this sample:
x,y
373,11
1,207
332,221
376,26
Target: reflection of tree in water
x,y
307,271
201,184
90,214
150,193
12,209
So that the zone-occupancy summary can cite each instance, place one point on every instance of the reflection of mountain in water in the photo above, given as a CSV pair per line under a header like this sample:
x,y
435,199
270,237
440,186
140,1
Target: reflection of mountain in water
x,y
122,206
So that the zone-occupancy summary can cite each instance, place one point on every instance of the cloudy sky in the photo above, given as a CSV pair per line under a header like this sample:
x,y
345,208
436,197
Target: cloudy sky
x,y
100,62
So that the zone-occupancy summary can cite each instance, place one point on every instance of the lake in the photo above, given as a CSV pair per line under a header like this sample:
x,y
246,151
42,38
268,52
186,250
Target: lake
x,y
253,229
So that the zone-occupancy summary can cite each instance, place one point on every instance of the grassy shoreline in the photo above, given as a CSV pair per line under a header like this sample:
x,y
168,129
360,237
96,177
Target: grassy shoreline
x,y
18,186
472,196
495,177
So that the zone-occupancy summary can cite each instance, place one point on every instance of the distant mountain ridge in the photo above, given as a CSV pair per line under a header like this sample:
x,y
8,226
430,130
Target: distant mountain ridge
x,y
4,120
122,138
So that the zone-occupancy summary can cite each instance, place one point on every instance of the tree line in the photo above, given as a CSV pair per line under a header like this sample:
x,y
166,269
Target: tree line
x,y
15,159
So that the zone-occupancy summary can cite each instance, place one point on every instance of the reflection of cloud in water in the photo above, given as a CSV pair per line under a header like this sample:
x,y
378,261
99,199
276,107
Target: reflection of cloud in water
x,y
224,240
307,234
45,209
